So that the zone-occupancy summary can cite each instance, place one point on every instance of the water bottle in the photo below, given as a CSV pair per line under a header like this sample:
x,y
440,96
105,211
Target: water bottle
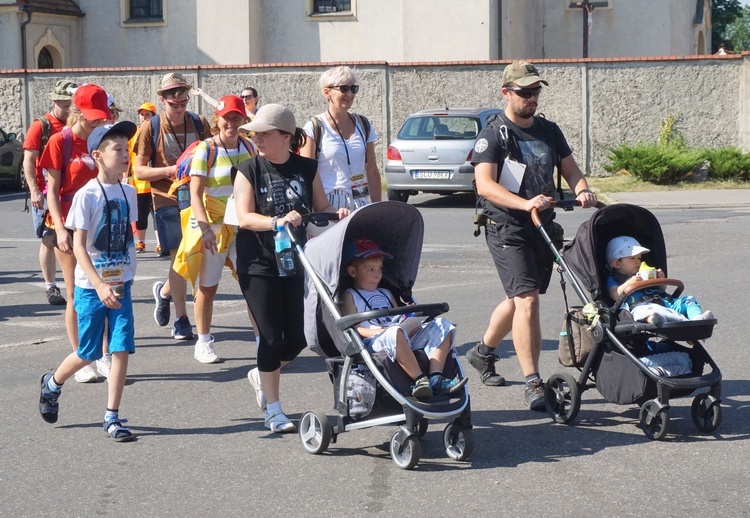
x,y
284,253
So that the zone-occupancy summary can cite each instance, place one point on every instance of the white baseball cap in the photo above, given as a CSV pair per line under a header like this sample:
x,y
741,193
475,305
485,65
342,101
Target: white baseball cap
x,y
623,246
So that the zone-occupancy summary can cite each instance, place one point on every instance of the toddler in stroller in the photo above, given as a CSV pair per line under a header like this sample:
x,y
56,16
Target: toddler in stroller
x,y
652,305
397,335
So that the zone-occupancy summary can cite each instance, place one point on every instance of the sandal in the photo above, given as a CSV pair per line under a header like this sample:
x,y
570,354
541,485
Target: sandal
x,y
279,423
117,431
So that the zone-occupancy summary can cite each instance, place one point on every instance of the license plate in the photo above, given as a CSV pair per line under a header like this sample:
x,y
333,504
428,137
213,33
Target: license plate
x,y
431,175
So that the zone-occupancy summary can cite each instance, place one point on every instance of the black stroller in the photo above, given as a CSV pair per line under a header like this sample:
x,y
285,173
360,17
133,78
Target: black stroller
x,y
368,389
613,364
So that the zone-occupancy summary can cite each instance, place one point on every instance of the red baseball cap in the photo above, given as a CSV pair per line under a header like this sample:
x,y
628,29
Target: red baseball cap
x,y
229,104
92,101
362,248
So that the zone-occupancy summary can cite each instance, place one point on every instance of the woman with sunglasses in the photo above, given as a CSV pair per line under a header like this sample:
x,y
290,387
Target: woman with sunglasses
x,y
273,188
69,167
343,143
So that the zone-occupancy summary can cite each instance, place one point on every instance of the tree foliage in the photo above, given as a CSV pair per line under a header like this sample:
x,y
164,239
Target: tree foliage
x,y
723,13
737,33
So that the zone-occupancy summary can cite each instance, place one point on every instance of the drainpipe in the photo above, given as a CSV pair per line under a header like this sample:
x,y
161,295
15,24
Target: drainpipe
x,y
29,11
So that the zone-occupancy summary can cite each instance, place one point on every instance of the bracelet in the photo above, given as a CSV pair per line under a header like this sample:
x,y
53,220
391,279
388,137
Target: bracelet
x,y
273,222
204,232
583,191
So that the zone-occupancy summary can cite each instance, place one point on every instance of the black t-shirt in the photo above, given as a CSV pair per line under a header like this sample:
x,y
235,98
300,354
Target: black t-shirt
x,y
279,189
540,147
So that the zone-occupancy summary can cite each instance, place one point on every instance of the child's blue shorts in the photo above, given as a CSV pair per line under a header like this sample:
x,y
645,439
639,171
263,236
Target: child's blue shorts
x,y
93,316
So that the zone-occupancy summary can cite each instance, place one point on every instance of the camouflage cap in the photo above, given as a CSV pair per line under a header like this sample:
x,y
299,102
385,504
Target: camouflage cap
x,y
522,73
62,91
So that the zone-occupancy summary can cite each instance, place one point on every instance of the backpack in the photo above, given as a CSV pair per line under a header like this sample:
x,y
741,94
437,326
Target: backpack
x,y
318,129
155,124
181,182
46,133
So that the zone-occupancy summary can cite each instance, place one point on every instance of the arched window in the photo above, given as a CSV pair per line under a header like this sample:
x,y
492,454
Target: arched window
x,y
44,60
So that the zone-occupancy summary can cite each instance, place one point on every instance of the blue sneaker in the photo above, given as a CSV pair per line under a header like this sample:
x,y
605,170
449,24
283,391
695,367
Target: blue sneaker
x,y
182,330
48,405
441,385
161,312
117,431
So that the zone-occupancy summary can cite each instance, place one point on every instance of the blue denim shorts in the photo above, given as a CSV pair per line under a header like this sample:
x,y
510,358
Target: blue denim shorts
x,y
37,216
429,338
169,227
93,316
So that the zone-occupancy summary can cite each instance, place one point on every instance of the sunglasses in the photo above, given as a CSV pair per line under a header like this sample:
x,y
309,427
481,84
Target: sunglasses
x,y
345,89
178,104
526,93
251,96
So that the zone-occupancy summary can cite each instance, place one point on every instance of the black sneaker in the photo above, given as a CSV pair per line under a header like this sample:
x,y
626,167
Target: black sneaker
x,y
48,405
54,297
182,330
161,311
485,365
533,394
421,389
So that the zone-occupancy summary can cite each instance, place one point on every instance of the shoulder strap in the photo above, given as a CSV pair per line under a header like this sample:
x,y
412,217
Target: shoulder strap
x,y
317,133
365,125
546,126
46,130
67,148
155,123
198,124
211,158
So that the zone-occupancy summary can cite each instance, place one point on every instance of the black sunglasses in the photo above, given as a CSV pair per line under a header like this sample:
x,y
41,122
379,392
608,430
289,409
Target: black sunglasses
x,y
525,93
344,89
251,96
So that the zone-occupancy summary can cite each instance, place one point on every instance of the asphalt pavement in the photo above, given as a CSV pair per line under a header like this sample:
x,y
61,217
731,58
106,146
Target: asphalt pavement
x,y
202,449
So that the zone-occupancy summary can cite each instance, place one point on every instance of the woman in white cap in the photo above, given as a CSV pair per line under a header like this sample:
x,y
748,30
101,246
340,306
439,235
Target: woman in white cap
x,y
69,167
344,144
274,188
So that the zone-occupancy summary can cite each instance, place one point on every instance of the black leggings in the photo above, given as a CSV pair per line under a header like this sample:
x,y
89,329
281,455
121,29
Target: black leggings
x,y
278,308
145,207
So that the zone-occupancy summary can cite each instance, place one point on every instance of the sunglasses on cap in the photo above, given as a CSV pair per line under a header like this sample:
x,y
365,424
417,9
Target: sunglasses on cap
x,y
178,104
525,93
345,89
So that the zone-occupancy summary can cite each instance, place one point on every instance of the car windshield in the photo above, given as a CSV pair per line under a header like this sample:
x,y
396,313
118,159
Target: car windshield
x,y
440,127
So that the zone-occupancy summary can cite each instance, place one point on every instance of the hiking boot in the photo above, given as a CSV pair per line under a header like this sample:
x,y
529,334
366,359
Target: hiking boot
x,y
204,352
140,247
253,376
86,375
533,394
161,311
182,330
54,297
48,405
117,431
485,365
103,365
441,385
421,389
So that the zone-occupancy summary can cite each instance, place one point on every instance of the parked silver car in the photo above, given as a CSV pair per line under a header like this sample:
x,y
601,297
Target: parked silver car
x,y
432,150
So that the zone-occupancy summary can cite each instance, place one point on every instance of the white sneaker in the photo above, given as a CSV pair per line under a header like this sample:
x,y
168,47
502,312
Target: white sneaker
x,y
86,375
103,365
708,315
254,378
279,423
204,352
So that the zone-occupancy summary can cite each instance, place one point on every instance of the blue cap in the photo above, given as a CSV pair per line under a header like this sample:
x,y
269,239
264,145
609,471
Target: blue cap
x,y
125,128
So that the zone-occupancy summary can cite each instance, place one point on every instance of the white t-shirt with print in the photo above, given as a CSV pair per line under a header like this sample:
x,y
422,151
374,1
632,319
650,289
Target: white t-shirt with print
x,y
87,213
332,163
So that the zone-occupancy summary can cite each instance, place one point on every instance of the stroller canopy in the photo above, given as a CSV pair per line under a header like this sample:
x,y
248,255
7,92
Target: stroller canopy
x,y
586,256
399,230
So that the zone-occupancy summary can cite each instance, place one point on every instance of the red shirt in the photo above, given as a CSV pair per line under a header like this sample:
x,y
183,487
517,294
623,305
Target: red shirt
x,y
33,141
80,169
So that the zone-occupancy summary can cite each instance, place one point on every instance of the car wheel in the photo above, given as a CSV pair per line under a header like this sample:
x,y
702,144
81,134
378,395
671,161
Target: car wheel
x,y
398,195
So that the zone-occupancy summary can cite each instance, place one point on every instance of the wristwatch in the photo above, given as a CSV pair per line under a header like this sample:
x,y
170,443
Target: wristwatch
x,y
583,191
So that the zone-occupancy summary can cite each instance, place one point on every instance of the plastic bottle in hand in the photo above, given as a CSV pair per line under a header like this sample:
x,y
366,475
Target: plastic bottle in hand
x,y
284,253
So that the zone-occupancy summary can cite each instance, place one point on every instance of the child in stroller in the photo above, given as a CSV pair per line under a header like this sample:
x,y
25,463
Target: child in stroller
x,y
652,305
398,335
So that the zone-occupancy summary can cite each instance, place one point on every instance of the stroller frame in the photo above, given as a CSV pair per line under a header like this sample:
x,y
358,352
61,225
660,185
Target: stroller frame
x,y
563,391
315,430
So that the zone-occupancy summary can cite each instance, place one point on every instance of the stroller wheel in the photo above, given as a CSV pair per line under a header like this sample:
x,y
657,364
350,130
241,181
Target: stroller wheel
x,y
706,412
562,397
315,432
405,449
654,420
459,444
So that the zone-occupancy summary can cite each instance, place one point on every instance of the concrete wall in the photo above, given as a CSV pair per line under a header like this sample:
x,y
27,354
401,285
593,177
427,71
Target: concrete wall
x,y
597,103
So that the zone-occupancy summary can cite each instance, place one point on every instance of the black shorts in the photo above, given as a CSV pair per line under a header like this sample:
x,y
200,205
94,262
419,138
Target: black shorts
x,y
521,256
145,207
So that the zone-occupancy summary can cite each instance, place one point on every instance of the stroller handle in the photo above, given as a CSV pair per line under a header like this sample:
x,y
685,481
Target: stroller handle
x,y
560,204
651,283
319,219
429,310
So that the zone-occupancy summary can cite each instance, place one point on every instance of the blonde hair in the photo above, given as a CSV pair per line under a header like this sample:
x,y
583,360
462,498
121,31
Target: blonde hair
x,y
73,115
337,76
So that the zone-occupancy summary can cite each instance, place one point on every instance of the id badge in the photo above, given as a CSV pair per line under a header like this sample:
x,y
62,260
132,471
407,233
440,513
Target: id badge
x,y
511,175
113,275
359,185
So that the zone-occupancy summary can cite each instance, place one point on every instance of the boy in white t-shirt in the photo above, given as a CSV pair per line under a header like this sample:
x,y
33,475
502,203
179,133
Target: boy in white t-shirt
x,y
101,216
364,260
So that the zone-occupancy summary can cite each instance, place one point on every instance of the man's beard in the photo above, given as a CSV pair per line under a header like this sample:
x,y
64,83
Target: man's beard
x,y
526,112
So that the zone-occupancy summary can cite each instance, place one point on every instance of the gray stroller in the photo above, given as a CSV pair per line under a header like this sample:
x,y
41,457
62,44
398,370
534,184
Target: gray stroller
x,y
368,389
